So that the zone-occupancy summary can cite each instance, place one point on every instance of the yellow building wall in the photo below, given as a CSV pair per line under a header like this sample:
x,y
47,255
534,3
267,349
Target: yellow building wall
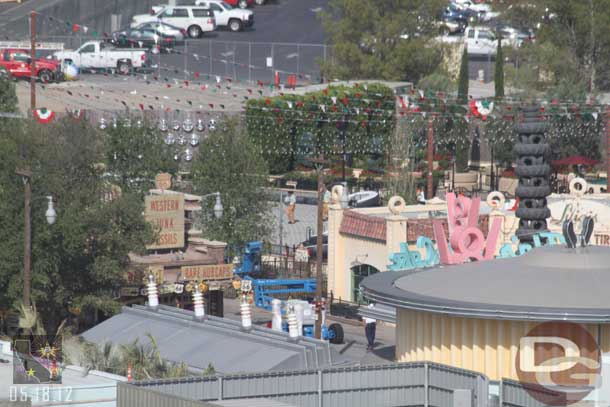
x,y
484,345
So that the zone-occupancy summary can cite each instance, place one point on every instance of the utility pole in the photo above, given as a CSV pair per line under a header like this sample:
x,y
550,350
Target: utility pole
x,y
26,175
430,189
319,244
492,181
343,125
608,149
33,63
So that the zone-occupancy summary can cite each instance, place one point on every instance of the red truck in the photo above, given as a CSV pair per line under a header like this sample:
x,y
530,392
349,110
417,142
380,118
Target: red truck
x,y
17,62
240,3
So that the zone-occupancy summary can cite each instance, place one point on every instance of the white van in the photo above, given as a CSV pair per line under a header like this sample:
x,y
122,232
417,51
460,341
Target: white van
x,y
194,20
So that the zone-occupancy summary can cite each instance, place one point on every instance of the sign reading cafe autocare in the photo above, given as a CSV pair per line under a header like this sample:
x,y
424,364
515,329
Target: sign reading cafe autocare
x,y
209,272
166,213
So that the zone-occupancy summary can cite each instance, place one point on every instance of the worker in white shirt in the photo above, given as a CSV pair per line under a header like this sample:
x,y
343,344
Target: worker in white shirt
x,y
370,326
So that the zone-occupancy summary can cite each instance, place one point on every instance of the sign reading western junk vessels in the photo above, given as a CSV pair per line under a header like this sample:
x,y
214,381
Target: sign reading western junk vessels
x,y
211,272
166,213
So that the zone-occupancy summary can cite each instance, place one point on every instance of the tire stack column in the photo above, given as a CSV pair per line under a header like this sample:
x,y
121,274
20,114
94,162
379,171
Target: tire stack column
x,y
533,170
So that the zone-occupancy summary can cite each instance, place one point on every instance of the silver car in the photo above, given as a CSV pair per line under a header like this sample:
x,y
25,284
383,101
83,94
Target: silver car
x,y
165,29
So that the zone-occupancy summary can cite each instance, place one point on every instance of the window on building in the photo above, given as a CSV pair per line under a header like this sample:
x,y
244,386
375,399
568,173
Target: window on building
x,y
359,273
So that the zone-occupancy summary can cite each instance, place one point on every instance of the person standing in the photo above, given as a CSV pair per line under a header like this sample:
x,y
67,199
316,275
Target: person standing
x,y
370,328
421,197
291,202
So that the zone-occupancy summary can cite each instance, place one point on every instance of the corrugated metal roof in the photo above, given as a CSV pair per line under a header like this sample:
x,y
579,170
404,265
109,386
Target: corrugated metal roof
x,y
251,403
218,341
379,312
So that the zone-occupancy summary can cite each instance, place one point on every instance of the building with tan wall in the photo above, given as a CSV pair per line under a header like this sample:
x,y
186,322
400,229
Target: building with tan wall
x,y
474,315
361,241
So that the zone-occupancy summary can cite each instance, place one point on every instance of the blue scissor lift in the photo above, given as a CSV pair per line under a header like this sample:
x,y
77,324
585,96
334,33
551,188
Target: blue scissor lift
x,y
265,290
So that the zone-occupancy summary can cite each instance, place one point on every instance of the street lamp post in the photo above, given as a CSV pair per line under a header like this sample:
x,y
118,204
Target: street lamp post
x,y
218,208
50,214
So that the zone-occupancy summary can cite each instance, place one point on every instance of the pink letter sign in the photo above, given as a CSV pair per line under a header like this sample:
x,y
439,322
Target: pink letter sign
x,y
465,237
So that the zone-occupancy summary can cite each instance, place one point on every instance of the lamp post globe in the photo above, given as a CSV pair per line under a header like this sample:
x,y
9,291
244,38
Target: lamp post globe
x,y
50,214
218,209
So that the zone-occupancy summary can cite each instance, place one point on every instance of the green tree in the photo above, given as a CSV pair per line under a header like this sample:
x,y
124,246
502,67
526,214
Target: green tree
x,y
572,40
437,82
135,154
382,39
398,180
229,163
8,97
358,119
499,72
79,260
463,78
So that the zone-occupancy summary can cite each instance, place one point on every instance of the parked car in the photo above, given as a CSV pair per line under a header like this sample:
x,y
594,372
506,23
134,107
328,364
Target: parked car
x,y
17,62
480,41
179,34
143,38
483,11
194,20
242,3
101,55
227,16
515,37
452,26
453,11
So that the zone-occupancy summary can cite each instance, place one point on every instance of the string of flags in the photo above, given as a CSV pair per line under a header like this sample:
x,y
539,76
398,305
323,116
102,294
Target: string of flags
x,y
43,115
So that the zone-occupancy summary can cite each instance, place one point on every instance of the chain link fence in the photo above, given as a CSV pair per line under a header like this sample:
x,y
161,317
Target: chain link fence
x,y
239,61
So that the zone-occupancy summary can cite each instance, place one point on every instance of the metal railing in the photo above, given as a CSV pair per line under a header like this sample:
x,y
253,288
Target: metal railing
x,y
237,60
399,384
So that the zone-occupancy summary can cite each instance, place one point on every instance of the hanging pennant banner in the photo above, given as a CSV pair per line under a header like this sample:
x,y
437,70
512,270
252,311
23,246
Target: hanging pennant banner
x,y
44,115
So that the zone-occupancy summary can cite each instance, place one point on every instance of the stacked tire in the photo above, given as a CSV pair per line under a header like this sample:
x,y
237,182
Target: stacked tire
x,y
533,170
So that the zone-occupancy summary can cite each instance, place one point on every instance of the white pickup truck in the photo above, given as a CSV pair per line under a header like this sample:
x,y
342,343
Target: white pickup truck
x,y
102,55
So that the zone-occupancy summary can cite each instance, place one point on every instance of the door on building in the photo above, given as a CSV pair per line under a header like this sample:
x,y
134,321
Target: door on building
x,y
215,303
359,273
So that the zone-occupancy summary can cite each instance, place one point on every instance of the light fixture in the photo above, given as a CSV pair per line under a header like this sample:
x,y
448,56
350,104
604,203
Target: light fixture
x,y
103,124
200,125
195,139
50,214
188,126
344,200
181,140
170,139
188,154
212,125
163,125
218,209
176,125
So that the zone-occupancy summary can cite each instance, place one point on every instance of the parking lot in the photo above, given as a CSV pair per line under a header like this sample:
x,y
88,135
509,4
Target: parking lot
x,y
287,37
